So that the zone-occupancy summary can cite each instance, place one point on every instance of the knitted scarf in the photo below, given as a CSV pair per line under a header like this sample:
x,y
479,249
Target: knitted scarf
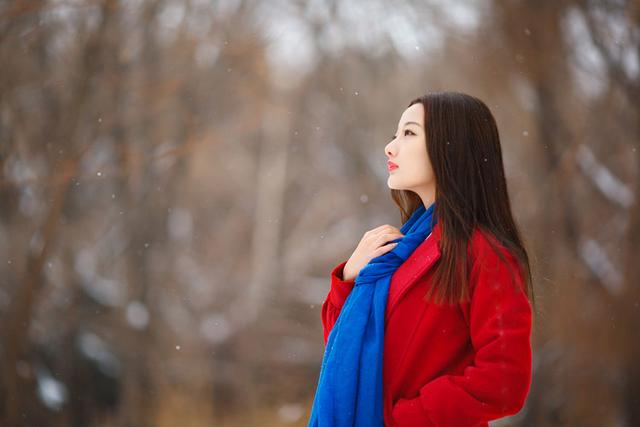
x,y
349,391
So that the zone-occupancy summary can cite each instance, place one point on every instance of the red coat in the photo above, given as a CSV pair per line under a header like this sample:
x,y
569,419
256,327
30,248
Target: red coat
x,y
460,365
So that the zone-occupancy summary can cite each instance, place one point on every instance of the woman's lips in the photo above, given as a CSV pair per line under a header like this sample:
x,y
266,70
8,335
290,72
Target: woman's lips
x,y
391,166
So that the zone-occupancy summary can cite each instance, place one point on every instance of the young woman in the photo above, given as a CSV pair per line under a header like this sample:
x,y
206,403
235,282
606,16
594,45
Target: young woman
x,y
430,324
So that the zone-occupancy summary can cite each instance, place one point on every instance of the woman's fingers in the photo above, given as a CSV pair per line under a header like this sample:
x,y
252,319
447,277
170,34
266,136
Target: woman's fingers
x,y
384,249
385,228
387,237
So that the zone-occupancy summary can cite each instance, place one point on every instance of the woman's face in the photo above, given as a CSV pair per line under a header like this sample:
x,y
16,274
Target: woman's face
x,y
408,150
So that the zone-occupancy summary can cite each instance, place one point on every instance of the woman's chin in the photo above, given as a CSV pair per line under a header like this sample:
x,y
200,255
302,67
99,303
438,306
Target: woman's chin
x,y
395,186
392,184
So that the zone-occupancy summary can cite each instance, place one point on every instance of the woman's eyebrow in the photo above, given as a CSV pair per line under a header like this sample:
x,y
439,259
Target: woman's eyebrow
x,y
408,123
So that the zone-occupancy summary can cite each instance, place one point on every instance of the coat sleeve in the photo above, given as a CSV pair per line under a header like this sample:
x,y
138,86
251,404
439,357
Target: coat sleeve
x,y
497,382
338,293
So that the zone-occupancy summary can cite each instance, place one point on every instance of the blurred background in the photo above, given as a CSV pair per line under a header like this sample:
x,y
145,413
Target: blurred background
x,y
179,177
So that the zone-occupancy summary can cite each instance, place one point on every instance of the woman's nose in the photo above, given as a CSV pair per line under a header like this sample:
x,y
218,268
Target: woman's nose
x,y
389,152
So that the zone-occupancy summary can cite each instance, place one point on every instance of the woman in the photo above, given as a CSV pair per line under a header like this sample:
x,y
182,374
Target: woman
x,y
430,325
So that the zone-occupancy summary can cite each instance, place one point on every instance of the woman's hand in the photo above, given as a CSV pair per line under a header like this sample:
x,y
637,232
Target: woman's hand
x,y
373,244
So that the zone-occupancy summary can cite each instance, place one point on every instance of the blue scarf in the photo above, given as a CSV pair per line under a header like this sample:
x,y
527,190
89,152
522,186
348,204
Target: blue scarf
x,y
349,389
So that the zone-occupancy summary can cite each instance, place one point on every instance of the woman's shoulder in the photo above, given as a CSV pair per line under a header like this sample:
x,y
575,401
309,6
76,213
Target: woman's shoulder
x,y
484,246
492,261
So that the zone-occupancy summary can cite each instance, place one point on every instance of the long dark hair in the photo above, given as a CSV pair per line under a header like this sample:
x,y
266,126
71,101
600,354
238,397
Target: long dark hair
x,y
471,191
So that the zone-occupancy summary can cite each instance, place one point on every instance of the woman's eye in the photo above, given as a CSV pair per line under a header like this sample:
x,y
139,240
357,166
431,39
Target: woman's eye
x,y
405,133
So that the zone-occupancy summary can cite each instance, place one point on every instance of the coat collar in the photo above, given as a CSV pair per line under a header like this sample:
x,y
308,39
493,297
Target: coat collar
x,y
414,267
